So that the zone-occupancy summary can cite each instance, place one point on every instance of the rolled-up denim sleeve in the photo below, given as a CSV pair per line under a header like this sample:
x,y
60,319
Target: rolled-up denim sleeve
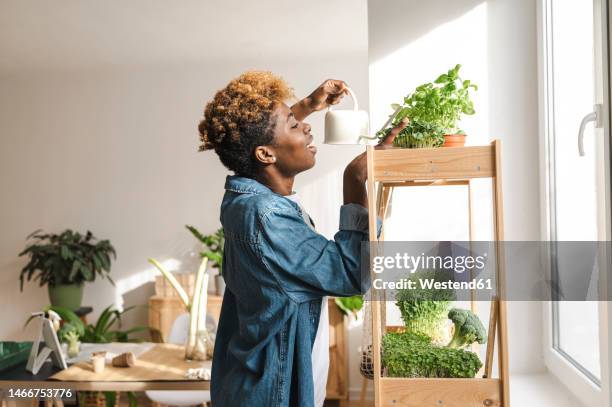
x,y
307,265
354,217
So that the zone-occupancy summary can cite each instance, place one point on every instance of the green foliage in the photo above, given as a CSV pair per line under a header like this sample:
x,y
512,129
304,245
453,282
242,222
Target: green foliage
x,y
69,332
213,246
468,328
434,109
133,401
67,258
101,331
419,135
424,310
349,305
411,354
110,398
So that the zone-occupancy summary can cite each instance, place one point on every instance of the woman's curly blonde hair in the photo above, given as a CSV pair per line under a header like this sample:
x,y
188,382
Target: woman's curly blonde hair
x,y
239,118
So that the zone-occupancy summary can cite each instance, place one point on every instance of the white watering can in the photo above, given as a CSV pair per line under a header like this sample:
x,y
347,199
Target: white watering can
x,y
347,126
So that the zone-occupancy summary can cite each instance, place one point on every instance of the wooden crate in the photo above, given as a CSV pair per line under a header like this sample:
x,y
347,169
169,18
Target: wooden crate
x,y
164,289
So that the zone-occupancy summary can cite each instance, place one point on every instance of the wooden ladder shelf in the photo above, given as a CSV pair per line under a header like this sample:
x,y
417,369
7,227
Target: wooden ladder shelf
x,y
391,168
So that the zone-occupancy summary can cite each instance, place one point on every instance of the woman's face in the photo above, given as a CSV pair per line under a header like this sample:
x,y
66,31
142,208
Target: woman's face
x,y
292,149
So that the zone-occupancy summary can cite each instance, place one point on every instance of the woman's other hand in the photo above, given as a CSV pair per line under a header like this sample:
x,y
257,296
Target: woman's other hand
x,y
328,93
356,172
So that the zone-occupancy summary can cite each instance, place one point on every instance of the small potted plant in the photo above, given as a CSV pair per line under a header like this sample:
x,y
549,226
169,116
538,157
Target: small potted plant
x,y
213,251
455,102
65,262
107,329
434,109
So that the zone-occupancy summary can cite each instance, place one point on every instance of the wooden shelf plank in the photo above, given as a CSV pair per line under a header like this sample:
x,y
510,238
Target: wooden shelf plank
x,y
410,164
426,392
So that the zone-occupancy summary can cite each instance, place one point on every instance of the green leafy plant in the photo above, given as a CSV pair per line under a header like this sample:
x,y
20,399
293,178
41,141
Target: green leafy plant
x,y
349,305
434,109
74,329
67,258
424,310
411,354
213,246
468,328
101,332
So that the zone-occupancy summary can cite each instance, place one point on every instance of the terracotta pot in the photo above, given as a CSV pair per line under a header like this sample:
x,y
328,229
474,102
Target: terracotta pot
x,y
454,140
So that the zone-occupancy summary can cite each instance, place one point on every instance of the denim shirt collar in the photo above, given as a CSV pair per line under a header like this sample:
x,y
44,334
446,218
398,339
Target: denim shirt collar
x,y
244,185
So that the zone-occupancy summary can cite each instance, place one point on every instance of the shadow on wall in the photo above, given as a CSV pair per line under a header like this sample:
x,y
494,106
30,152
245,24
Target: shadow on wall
x,y
392,36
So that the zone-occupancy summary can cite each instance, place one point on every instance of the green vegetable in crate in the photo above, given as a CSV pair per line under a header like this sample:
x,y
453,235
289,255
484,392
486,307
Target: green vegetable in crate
x,y
411,354
425,310
468,328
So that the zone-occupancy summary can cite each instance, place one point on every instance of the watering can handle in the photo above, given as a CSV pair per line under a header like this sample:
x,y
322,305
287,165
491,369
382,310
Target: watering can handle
x,y
353,96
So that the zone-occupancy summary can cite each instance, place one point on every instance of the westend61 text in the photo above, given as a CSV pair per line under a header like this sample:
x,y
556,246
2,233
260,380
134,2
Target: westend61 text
x,y
431,284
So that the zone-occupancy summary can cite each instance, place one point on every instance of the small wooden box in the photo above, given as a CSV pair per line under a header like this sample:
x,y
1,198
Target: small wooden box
x,y
164,289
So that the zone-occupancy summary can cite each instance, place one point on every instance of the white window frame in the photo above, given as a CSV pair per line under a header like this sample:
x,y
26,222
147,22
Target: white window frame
x,y
579,384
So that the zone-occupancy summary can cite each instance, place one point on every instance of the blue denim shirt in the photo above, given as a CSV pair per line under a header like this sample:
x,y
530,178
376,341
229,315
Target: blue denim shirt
x,y
276,270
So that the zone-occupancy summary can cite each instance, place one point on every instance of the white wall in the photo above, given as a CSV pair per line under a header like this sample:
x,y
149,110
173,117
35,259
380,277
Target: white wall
x,y
411,42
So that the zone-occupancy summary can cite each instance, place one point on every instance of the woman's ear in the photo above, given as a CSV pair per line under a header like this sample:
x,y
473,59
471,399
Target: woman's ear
x,y
265,155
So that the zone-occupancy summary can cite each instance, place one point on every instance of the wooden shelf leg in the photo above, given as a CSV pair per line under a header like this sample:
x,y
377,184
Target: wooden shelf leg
x,y
364,390
491,339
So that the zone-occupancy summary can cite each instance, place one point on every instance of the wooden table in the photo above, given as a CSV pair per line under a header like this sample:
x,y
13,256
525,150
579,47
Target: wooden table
x,y
161,368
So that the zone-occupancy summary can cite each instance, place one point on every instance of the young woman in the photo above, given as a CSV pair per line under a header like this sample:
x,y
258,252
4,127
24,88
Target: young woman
x,y
276,267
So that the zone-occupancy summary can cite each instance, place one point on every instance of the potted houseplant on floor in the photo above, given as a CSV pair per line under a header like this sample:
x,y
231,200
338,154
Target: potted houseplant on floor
x,y
213,251
65,262
434,110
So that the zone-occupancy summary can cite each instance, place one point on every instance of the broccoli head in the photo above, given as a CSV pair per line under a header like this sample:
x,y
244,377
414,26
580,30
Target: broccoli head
x,y
468,328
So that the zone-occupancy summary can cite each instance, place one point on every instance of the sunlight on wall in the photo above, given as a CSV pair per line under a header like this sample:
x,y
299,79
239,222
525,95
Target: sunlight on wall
x,y
138,279
425,213
463,41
